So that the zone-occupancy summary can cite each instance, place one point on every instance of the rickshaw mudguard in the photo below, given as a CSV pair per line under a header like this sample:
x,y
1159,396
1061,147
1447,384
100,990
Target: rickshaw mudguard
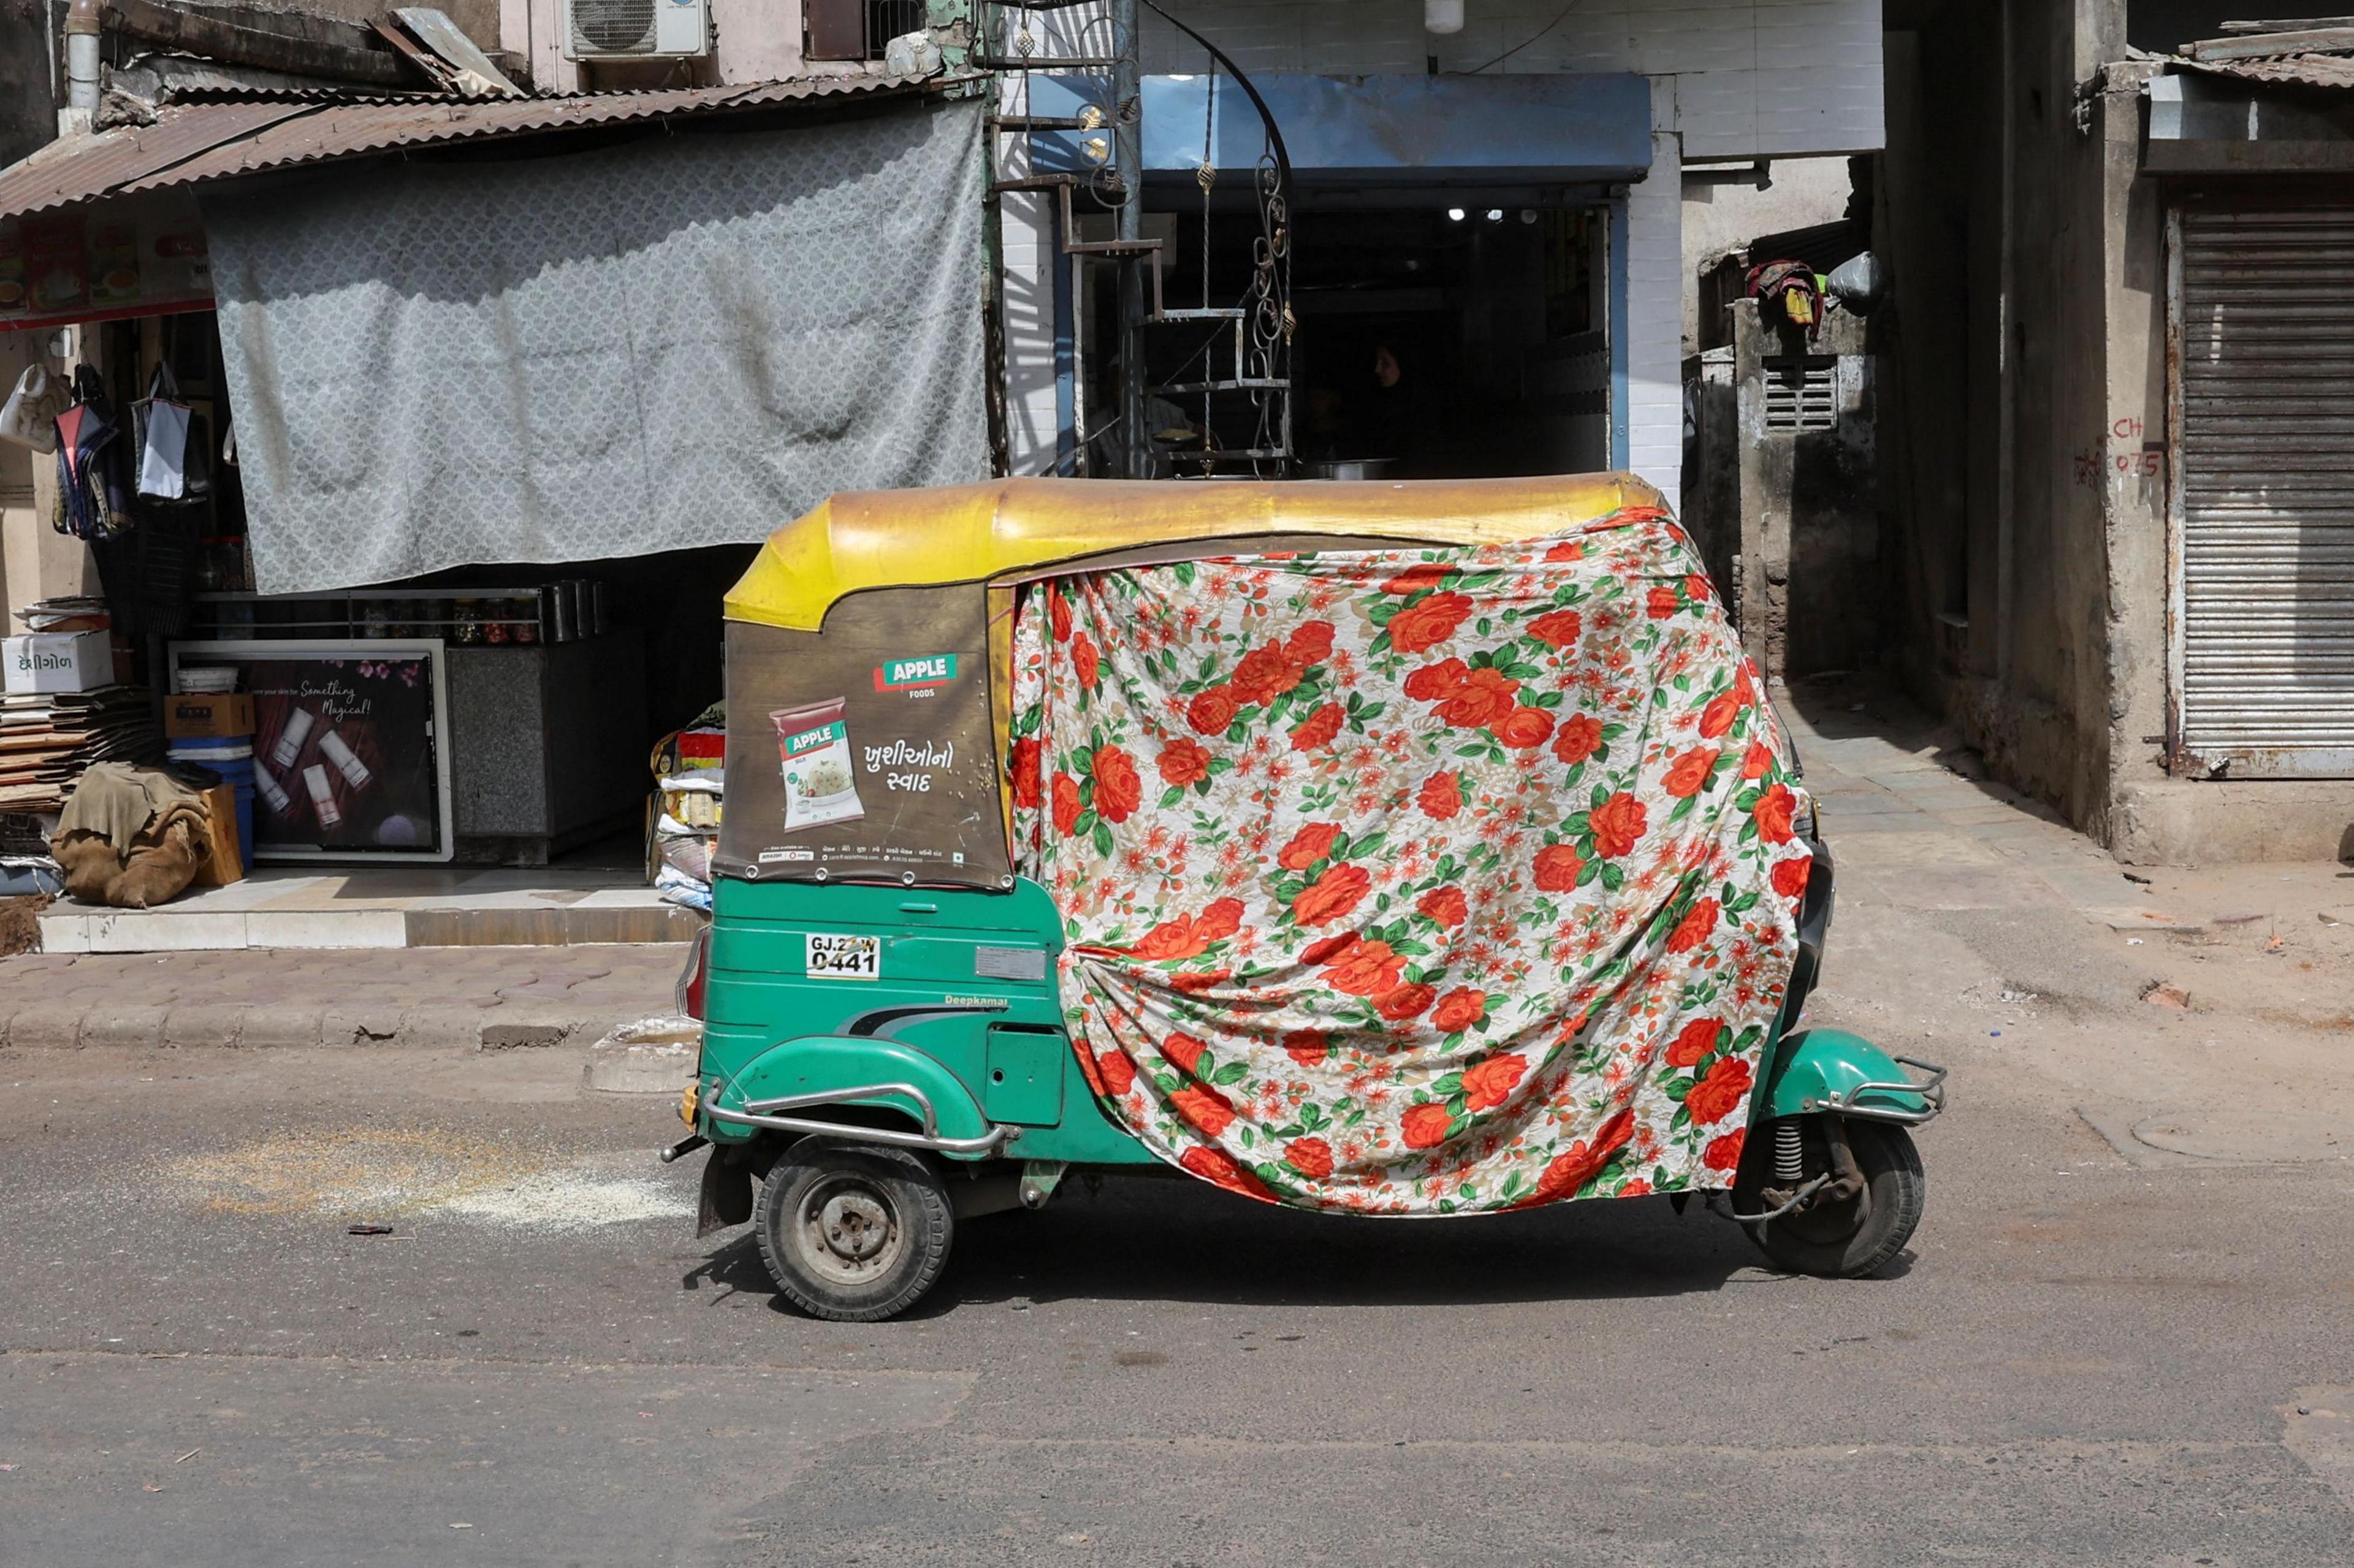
x,y
1818,1069
835,1066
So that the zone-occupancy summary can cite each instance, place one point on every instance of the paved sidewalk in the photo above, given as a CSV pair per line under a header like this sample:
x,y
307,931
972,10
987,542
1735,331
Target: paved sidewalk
x,y
382,907
2211,1006
1915,825
472,998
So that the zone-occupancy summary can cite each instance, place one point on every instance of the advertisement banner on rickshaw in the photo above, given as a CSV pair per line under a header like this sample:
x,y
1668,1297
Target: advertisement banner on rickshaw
x,y
866,752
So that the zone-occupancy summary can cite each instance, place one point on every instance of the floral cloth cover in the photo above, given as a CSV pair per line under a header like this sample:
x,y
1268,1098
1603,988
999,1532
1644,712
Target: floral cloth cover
x,y
1414,882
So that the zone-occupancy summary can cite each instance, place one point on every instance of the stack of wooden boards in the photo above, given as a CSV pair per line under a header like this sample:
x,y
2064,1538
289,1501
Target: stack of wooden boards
x,y
47,739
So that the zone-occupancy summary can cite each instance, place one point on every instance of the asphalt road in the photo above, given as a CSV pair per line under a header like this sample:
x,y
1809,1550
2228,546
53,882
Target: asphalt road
x,y
2086,1359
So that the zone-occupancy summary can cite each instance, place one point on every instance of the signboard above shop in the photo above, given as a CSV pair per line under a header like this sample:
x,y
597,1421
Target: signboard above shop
x,y
138,256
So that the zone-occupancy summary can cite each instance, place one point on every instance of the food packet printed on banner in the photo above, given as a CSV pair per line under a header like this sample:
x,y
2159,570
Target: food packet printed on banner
x,y
820,781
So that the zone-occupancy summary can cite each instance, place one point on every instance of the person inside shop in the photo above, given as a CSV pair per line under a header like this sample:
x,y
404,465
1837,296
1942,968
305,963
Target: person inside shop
x,y
1388,421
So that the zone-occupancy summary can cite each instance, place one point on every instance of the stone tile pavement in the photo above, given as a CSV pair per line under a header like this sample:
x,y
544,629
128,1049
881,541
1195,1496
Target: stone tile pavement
x,y
1920,825
1914,826
485,998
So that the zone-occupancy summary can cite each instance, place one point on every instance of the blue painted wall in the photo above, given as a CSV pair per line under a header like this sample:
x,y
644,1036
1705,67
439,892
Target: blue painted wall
x,y
1395,130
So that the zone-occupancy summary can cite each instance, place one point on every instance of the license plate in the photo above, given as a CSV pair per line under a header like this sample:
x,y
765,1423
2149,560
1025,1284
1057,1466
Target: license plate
x,y
828,956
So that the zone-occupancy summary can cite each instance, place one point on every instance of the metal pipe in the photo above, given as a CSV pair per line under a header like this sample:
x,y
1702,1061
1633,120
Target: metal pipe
x,y
930,1138
84,23
1128,161
1931,1093
930,1119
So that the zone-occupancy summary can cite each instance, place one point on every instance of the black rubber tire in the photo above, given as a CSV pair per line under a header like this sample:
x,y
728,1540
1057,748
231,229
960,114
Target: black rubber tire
x,y
852,1233
1850,1240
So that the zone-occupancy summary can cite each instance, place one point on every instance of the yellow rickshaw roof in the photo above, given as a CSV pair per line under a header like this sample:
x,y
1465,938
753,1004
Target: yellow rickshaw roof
x,y
977,533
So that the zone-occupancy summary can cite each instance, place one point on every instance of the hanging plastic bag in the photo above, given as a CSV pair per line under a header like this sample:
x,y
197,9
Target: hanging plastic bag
x,y
162,429
30,417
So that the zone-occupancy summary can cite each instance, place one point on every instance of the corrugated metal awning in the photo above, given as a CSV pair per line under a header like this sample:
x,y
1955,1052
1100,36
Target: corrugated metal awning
x,y
191,142
2334,71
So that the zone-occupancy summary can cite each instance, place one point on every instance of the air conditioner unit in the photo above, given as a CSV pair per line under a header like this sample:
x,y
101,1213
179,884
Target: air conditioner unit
x,y
636,29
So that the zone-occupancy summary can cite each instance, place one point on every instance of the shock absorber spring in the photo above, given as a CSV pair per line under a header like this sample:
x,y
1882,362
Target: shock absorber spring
x,y
1789,1153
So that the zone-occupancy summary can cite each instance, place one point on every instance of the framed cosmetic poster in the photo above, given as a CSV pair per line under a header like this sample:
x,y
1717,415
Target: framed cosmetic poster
x,y
349,758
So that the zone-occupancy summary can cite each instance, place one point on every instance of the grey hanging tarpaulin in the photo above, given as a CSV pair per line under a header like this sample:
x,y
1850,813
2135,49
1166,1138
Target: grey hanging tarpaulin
x,y
673,343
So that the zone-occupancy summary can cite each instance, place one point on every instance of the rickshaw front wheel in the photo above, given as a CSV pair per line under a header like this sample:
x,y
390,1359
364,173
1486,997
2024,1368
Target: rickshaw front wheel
x,y
853,1233
1849,1237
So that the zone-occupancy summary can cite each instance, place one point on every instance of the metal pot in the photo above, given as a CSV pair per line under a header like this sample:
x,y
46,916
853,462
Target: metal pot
x,y
1351,468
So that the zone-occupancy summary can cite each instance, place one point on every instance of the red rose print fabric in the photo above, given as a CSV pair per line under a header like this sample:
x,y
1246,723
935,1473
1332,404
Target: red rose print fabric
x,y
1414,882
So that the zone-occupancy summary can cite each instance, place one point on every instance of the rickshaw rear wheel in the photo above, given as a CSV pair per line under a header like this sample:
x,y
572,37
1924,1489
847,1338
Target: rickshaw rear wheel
x,y
852,1233
1842,1238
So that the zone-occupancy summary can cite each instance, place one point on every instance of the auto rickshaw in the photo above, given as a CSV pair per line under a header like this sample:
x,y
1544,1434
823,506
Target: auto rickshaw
x,y
1475,874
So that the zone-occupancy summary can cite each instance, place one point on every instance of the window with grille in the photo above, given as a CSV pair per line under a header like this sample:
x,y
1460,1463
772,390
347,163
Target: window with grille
x,y
1801,392
856,30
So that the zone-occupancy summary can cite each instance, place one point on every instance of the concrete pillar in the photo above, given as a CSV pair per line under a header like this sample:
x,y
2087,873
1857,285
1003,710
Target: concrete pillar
x,y
1656,282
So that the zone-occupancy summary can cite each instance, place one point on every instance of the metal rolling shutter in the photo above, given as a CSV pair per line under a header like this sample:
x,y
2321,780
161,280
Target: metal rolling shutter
x,y
2266,584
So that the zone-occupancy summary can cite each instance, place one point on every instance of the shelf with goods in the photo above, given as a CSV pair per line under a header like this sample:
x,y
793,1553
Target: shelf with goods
x,y
502,615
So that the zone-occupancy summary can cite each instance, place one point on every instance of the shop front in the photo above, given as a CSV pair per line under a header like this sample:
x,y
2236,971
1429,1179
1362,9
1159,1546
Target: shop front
x,y
406,490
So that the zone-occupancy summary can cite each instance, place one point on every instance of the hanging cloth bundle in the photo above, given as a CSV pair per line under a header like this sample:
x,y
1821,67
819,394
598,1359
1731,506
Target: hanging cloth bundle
x,y
90,498
159,427
1792,286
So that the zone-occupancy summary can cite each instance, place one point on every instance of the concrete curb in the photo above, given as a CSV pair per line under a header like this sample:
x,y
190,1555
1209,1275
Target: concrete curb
x,y
213,1025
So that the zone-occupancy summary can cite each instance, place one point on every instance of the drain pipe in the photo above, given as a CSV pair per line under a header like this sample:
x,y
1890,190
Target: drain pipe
x,y
83,24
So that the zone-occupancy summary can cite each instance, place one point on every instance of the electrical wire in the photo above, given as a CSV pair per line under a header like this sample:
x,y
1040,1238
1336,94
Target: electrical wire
x,y
1563,16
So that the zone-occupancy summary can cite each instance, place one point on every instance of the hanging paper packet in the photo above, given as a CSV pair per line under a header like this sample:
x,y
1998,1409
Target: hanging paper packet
x,y
30,417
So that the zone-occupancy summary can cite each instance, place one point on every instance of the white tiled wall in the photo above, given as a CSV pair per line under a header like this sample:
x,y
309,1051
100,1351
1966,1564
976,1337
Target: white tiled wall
x,y
1655,285
1750,78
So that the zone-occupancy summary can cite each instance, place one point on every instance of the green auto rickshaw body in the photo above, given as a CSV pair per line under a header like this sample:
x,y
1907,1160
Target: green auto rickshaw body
x,y
989,1058
999,1059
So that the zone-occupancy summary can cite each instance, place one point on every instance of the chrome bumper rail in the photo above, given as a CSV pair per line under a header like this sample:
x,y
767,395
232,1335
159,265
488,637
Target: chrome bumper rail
x,y
1931,1090
763,1114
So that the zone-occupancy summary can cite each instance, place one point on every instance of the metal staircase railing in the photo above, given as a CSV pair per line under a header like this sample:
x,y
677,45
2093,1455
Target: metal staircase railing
x,y
1016,47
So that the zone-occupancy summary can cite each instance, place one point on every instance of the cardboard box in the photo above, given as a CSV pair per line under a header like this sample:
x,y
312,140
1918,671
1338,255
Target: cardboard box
x,y
58,661
202,716
227,863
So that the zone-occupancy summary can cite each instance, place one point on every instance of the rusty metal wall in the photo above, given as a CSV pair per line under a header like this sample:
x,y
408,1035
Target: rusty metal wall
x,y
2263,556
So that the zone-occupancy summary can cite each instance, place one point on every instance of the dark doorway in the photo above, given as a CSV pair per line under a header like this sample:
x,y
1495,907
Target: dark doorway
x,y
1436,340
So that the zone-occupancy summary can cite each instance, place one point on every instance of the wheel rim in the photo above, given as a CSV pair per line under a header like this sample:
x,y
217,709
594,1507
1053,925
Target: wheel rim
x,y
849,1232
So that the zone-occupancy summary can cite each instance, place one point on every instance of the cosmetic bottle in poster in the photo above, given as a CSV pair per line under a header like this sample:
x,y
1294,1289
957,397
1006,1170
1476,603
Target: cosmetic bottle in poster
x,y
355,772
290,738
322,795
